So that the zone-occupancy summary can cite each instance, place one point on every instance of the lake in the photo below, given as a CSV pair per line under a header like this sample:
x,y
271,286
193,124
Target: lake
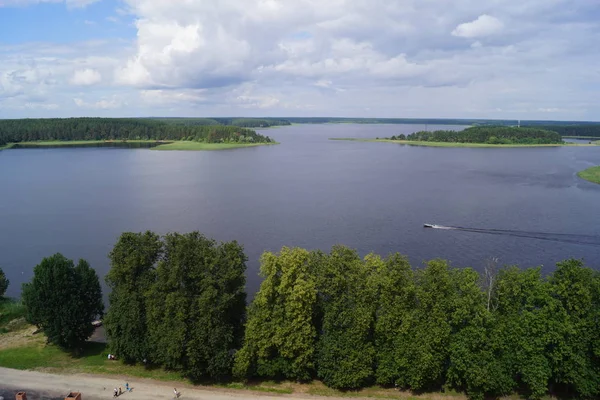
x,y
309,192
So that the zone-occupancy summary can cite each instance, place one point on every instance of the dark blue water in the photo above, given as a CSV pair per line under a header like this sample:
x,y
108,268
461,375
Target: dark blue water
x,y
309,192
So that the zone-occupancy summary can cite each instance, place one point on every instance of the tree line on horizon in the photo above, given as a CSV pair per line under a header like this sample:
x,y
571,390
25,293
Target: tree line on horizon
x,y
28,130
240,122
179,302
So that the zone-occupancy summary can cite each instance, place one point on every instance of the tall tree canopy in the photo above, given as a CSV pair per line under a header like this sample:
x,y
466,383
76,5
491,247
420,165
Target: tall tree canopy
x,y
130,278
196,307
64,300
281,333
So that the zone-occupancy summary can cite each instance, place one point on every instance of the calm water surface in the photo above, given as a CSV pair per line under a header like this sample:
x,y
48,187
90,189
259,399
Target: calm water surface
x,y
307,191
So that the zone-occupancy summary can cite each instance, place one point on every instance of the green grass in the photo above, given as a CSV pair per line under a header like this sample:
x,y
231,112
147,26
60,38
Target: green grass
x,y
36,355
591,174
453,144
6,146
187,145
10,310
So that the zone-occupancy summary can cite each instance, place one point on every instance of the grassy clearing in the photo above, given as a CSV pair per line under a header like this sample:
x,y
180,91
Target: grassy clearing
x,y
452,144
591,174
195,146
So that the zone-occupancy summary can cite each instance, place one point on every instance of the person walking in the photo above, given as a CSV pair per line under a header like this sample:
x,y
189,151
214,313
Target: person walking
x,y
177,394
115,392
127,387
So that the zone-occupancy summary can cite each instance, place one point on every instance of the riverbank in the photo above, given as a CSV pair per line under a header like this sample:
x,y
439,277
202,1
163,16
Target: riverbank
x,y
150,144
455,144
591,174
196,146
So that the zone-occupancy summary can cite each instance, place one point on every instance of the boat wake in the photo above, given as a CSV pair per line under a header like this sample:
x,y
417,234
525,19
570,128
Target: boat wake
x,y
586,240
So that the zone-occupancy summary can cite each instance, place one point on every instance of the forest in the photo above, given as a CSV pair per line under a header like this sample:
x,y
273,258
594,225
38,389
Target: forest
x,y
588,130
28,130
489,135
179,302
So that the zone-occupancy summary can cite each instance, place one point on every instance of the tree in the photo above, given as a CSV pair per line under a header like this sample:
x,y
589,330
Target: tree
x,y
130,278
196,306
423,345
281,335
395,286
528,321
345,350
474,356
4,282
64,300
574,358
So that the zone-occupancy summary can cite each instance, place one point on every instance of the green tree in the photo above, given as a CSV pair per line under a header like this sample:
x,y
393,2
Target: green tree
x,y
196,307
280,337
574,358
395,286
4,282
423,346
528,321
131,276
64,300
475,365
345,350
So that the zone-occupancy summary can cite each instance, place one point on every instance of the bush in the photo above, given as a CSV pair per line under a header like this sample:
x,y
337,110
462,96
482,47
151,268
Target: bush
x,y
3,283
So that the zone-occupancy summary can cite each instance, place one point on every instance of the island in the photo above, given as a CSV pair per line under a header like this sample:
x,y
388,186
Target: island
x,y
128,132
591,174
479,136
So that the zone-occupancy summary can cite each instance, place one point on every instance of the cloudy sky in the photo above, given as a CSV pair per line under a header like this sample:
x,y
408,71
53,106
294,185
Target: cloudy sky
x,y
517,59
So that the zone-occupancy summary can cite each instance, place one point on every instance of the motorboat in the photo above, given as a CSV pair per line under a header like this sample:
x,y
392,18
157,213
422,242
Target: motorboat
x,y
428,226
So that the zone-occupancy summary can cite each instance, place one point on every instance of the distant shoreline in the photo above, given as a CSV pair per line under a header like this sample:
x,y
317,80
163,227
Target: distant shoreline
x,y
457,144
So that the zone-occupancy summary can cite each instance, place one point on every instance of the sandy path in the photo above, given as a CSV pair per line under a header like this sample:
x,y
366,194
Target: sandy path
x,y
45,386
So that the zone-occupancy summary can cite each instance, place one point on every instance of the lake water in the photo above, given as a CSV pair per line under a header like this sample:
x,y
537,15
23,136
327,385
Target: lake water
x,y
309,192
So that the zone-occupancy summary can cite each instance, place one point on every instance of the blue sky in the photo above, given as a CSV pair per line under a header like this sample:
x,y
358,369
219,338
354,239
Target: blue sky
x,y
525,59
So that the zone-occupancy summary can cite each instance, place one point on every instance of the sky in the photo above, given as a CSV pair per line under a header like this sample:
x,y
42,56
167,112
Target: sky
x,y
495,59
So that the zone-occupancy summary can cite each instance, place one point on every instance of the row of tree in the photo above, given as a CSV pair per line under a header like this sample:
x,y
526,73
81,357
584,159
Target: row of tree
x,y
27,130
490,135
178,301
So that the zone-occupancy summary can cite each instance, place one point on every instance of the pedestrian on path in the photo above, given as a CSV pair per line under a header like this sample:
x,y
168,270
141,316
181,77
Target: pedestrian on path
x,y
127,387
177,394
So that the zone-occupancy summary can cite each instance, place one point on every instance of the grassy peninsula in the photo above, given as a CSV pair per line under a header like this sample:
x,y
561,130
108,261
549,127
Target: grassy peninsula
x,y
129,132
455,144
591,174
479,136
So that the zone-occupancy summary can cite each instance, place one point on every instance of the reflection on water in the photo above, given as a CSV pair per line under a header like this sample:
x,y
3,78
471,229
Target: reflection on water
x,y
67,145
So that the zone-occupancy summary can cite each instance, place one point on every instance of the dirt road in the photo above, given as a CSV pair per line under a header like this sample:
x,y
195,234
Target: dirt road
x,y
44,386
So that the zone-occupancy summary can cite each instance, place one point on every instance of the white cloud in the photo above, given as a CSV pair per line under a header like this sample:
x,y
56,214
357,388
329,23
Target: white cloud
x,y
161,97
86,77
100,104
484,25
308,57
